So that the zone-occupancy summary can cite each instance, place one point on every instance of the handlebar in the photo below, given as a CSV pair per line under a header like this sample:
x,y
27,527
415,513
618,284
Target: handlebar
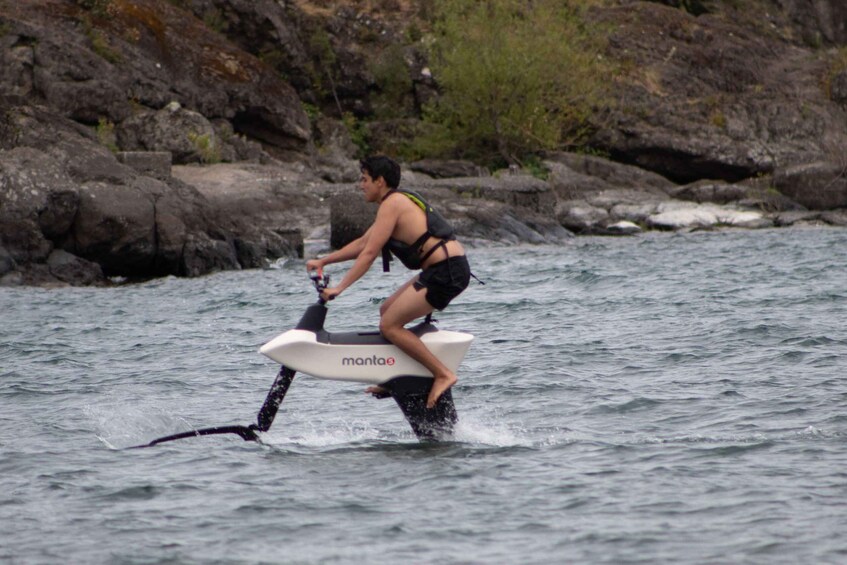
x,y
320,280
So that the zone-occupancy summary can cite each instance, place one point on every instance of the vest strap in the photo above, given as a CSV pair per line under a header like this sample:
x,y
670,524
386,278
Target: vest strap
x,y
433,249
386,259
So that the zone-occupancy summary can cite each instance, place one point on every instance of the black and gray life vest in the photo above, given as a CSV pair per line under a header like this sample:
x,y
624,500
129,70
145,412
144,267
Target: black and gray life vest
x,y
436,226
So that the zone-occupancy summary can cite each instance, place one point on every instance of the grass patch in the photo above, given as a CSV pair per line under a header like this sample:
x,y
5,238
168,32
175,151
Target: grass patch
x,y
535,166
105,130
207,148
100,45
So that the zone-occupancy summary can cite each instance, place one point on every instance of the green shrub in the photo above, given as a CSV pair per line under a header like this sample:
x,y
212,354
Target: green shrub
x,y
413,33
391,75
535,166
100,44
517,77
358,133
207,148
322,67
311,110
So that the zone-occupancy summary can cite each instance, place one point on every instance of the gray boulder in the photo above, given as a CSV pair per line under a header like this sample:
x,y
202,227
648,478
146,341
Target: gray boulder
x,y
623,196
28,178
612,173
14,278
24,241
761,195
568,184
634,212
623,228
38,202
205,255
798,217
710,191
187,135
683,215
581,217
278,197
492,221
819,186
601,192
56,218
835,217
349,219
74,270
115,227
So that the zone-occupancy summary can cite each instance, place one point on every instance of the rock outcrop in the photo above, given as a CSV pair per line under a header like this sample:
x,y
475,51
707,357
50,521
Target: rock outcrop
x,y
93,65
61,191
725,95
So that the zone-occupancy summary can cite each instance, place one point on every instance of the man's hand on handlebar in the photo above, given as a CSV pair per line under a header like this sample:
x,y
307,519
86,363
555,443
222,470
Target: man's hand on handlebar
x,y
315,269
330,293
315,265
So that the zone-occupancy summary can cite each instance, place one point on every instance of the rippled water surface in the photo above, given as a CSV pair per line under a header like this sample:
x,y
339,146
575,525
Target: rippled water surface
x,y
660,399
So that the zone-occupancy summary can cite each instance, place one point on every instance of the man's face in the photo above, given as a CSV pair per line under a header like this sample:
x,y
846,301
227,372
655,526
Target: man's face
x,y
371,188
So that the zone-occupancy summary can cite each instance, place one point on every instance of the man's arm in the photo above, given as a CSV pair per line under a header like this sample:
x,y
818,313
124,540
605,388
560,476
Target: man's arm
x,y
349,251
371,246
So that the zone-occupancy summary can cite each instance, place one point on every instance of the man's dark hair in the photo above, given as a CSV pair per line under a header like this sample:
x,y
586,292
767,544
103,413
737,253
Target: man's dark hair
x,y
380,166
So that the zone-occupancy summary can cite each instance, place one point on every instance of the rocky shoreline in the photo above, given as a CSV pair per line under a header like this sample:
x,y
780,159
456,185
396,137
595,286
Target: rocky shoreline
x,y
144,138
191,220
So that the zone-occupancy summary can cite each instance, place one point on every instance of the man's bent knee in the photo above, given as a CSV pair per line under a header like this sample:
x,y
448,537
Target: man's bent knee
x,y
387,329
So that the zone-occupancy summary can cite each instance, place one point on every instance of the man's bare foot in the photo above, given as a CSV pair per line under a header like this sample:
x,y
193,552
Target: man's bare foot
x,y
439,385
378,392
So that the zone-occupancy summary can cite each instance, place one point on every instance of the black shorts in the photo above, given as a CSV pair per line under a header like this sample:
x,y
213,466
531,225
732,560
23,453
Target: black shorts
x,y
444,280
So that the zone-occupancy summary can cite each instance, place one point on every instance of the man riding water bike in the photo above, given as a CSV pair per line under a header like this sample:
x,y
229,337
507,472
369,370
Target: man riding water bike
x,y
412,231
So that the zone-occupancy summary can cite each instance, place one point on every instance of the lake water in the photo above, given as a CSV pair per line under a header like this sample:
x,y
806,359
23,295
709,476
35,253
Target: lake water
x,y
668,398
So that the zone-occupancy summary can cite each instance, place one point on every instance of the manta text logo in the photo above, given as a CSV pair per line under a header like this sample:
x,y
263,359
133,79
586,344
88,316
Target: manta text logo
x,y
372,360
